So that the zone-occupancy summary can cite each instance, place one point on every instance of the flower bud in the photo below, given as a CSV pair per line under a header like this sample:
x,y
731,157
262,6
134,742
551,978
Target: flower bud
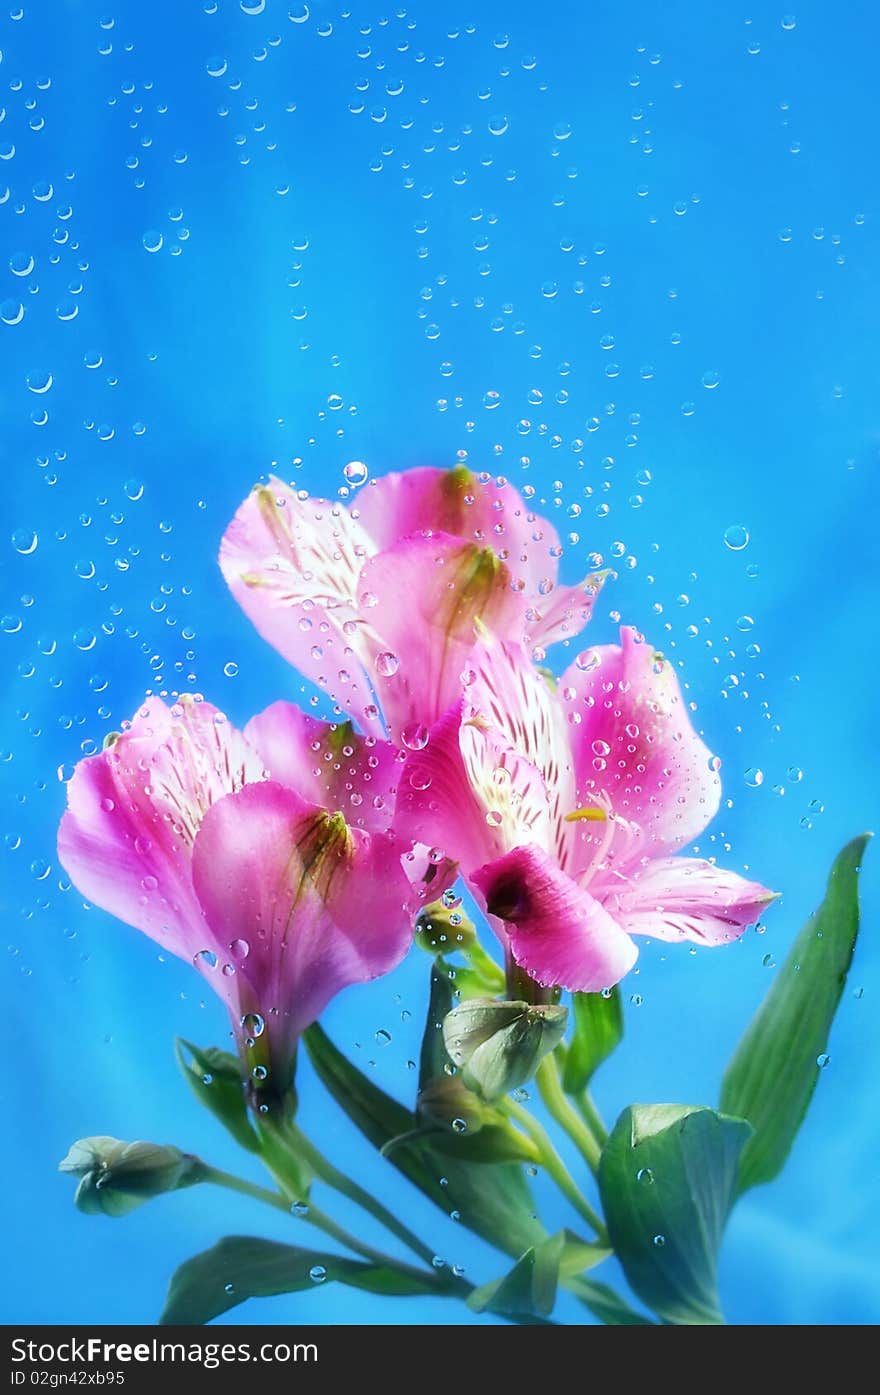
x,y
447,1101
115,1177
443,929
499,1045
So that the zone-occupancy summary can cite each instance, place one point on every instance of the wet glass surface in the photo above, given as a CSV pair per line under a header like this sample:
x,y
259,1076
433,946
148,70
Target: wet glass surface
x,y
626,258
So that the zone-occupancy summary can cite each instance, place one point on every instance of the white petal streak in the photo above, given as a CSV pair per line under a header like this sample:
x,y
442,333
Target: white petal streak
x,y
510,698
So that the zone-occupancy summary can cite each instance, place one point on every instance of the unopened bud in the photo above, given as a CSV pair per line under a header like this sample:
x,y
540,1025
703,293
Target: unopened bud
x,y
499,1046
442,929
115,1177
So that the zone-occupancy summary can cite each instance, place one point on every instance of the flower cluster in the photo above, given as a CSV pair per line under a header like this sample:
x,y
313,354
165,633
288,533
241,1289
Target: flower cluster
x,y
289,860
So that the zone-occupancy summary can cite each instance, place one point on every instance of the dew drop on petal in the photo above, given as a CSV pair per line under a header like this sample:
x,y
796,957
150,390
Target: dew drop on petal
x,y
387,664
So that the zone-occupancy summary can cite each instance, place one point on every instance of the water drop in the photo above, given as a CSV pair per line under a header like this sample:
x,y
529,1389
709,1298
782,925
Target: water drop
x,y
387,664
736,537
415,736
25,540
355,472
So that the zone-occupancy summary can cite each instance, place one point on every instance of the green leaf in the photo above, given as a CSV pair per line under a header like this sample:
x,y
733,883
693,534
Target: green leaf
x,y
492,1199
529,1289
214,1077
773,1073
491,1144
598,1027
434,1057
607,1305
243,1266
667,1177
580,1255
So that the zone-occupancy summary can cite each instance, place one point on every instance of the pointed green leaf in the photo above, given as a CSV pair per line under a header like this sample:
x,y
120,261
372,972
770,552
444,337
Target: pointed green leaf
x,y
773,1073
492,1199
598,1027
580,1255
214,1077
434,1057
529,1289
243,1266
667,1177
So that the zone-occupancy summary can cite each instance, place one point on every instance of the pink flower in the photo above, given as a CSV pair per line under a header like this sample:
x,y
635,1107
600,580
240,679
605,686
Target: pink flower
x,y
265,858
376,603
564,809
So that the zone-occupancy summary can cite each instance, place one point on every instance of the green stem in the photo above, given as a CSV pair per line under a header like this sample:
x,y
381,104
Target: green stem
x,y
559,1105
321,1221
485,966
592,1117
238,1184
325,1169
556,1167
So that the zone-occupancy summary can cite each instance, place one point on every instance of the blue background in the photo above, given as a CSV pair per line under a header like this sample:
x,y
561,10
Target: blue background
x,y
371,219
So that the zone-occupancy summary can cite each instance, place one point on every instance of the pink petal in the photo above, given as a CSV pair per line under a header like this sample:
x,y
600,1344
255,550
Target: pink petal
x,y
134,810
498,774
561,613
684,898
510,792
328,763
506,695
636,755
489,512
424,597
293,566
429,872
560,934
312,905
435,802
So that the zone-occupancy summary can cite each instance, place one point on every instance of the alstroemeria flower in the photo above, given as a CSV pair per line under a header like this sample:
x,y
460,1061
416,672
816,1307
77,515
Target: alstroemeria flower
x,y
265,858
376,603
564,809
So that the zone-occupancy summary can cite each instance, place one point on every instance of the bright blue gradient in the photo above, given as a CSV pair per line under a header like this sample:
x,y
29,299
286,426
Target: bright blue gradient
x,y
311,248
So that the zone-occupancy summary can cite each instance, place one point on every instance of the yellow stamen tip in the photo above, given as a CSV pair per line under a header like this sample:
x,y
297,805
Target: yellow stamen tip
x,y
589,815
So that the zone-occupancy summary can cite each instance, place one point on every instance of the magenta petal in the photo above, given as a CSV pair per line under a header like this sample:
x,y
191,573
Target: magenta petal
x,y
636,754
684,898
490,512
126,860
559,933
424,597
328,763
561,613
435,802
293,566
134,810
309,905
